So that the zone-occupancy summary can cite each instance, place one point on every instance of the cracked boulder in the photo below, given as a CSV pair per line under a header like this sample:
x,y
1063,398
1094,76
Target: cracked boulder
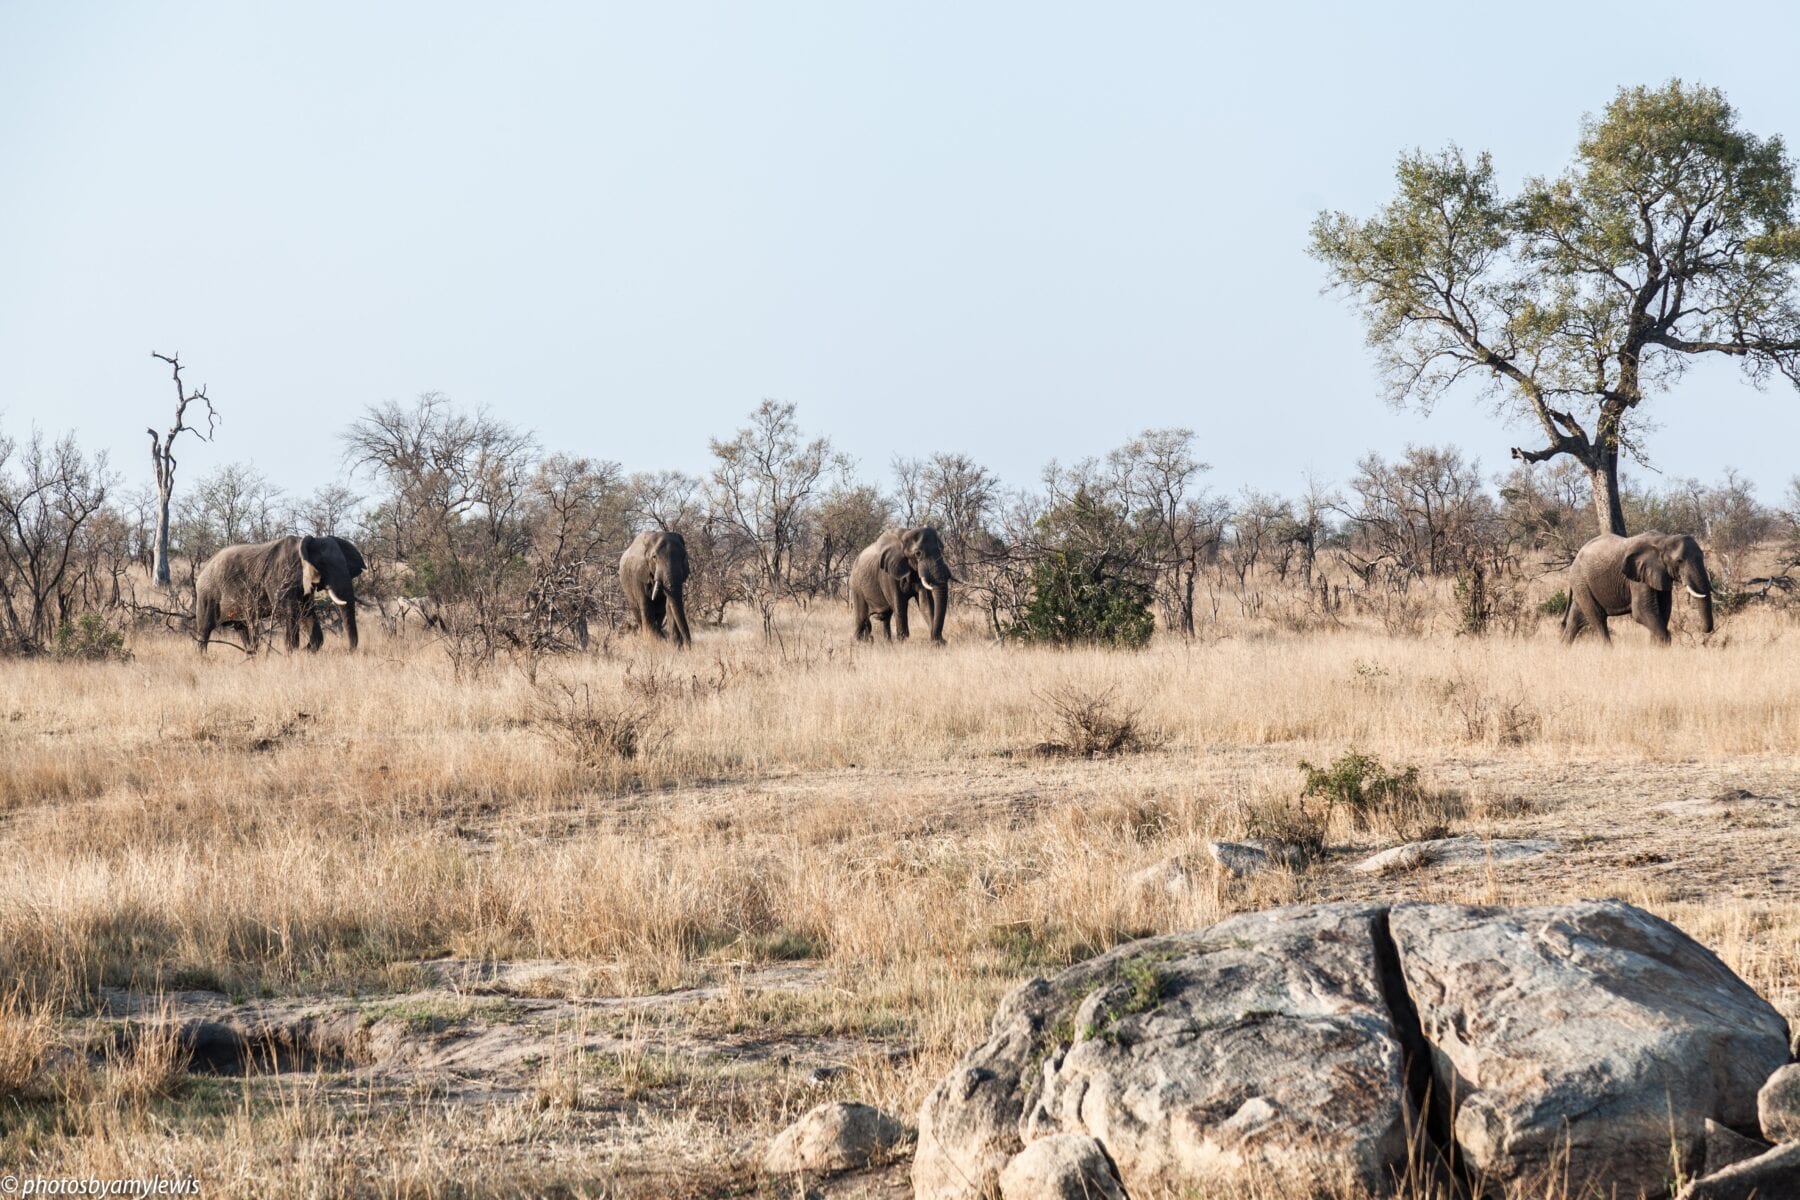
x,y
1294,1051
1259,1049
1583,1037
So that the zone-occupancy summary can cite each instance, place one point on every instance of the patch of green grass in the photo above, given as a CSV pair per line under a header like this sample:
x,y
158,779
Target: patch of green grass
x,y
434,1014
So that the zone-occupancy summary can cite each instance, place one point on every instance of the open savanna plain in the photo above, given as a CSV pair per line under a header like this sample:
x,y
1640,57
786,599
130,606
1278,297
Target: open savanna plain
x,y
600,925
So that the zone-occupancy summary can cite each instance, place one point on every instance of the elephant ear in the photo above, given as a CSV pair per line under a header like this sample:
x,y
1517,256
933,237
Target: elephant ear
x,y
1645,565
352,556
311,555
895,563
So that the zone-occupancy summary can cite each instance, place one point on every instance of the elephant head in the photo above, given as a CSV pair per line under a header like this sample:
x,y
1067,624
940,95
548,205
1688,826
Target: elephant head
x,y
332,563
921,554
1658,560
669,572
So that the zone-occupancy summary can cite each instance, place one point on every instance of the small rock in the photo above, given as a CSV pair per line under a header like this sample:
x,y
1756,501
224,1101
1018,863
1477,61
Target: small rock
x,y
1451,852
833,1137
1727,1147
1778,1105
1064,1166
1254,856
1771,1176
1170,877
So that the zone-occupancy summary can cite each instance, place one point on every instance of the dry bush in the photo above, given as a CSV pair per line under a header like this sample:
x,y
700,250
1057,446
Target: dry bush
x,y
1093,724
28,1039
602,732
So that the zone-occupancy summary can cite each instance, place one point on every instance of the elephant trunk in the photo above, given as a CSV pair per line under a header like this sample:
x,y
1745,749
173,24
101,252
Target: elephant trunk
x,y
349,620
678,621
1700,588
940,605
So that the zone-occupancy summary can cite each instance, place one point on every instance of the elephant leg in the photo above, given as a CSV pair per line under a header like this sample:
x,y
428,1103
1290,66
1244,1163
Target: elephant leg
x,y
1590,613
206,622
863,632
291,619
1573,623
900,616
653,616
887,626
315,636
1650,608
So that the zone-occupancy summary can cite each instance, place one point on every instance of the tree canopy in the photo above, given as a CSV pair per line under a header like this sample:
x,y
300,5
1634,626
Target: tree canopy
x,y
1670,236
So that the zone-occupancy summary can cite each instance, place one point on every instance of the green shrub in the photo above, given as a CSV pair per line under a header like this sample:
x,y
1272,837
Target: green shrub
x,y
1556,605
88,638
1076,598
1361,785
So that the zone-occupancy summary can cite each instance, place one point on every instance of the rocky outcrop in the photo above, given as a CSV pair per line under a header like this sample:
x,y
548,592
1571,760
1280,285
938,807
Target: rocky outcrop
x,y
1582,1037
1178,1054
833,1137
1307,1047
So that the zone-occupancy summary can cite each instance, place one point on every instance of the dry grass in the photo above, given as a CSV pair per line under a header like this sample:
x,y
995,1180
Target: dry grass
x,y
321,825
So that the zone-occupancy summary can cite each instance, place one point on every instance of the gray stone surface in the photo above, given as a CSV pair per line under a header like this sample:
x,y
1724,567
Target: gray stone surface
x,y
1727,1147
1588,1033
1066,1166
1772,1176
833,1137
1179,1054
1452,852
1268,1050
1778,1105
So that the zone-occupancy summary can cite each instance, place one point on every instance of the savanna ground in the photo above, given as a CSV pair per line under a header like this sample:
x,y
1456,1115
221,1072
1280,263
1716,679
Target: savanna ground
x,y
520,941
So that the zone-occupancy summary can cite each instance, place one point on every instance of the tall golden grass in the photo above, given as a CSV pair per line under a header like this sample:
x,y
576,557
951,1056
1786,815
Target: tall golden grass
x,y
315,824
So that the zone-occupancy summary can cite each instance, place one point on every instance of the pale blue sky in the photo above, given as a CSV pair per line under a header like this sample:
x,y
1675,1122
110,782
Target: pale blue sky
x,y
1021,231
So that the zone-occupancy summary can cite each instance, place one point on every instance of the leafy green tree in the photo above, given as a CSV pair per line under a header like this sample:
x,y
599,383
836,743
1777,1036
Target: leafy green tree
x,y
1670,237
1087,580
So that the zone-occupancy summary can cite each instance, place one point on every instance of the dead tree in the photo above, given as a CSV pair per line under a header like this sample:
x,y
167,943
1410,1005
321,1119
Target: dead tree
x,y
162,457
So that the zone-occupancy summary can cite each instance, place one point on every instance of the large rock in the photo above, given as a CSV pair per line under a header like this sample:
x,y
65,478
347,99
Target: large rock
x,y
1778,1105
1582,1036
1067,1166
833,1137
1261,1048
1773,1176
1293,1051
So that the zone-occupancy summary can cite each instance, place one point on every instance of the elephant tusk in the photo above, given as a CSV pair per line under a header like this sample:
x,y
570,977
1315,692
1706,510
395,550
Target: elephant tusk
x,y
654,585
1697,595
336,599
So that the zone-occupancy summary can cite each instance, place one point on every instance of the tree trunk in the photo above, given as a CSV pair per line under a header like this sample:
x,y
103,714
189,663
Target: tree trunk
x,y
1605,477
161,549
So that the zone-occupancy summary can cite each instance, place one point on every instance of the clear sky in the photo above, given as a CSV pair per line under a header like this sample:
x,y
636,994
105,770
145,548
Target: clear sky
x,y
1021,231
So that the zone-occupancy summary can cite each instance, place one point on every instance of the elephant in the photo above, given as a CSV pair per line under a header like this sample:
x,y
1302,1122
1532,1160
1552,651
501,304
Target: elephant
x,y
241,585
653,572
1614,575
896,567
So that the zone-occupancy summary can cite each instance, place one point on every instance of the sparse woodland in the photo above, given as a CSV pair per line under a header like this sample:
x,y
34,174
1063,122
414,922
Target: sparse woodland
x,y
515,901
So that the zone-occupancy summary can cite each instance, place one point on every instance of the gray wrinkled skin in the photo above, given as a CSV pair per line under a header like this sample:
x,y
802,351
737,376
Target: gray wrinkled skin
x,y
245,584
653,574
896,568
1612,576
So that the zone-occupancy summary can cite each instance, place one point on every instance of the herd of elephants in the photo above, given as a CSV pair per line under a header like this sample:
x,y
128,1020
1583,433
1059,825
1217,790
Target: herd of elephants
x,y
243,585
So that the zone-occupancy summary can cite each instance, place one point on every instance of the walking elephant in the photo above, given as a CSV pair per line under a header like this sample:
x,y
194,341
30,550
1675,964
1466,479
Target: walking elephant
x,y
653,572
1613,575
242,585
896,567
